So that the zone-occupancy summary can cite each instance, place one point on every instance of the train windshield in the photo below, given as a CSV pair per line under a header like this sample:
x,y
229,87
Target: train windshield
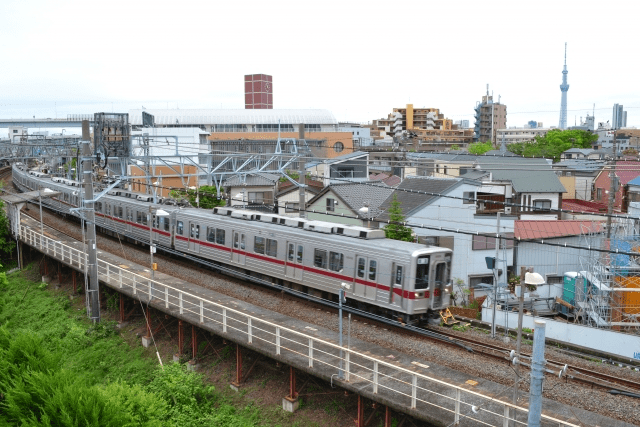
x,y
422,273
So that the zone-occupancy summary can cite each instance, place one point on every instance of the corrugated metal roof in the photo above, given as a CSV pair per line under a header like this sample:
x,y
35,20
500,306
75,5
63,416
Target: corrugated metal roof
x,y
583,165
553,228
579,206
626,171
235,116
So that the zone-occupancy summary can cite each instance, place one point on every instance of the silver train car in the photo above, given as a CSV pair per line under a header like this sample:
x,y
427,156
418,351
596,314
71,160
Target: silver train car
x,y
402,280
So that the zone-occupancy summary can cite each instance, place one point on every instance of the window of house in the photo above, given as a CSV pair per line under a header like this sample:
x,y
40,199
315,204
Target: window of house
x,y
542,204
256,197
180,228
258,245
338,147
476,281
468,197
336,261
291,207
331,203
320,258
599,193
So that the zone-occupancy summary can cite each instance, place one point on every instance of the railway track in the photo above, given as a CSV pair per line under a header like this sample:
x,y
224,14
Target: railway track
x,y
572,373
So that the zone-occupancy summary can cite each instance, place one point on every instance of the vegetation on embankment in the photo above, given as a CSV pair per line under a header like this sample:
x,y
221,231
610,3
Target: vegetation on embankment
x,y
57,369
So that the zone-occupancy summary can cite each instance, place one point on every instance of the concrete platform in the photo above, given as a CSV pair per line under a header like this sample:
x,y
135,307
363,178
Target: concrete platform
x,y
414,386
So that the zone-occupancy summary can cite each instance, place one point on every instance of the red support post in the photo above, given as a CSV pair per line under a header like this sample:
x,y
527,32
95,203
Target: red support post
x,y
360,419
121,300
194,342
387,417
148,322
59,273
75,282
46,271
180,337
236,383
292,383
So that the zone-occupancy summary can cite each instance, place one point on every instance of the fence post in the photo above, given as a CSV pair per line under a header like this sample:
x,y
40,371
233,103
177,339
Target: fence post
x,y
347,356
277,340
310,352
120,277
134,284
166,297
375,376
505,422
249,330
201,311
180,297
457,411
414,390
224,320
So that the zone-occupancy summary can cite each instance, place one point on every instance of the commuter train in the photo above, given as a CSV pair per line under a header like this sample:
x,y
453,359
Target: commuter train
x,y
406,281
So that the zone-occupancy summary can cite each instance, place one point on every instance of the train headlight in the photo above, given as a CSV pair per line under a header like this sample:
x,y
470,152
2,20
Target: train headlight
x,y
417,295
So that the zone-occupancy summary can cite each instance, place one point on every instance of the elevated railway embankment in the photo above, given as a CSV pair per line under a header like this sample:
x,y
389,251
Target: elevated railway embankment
x,y
432,393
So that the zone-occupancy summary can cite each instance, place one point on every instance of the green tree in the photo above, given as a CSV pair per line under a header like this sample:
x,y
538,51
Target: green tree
x,y
7,244
206,194
554,143
395,230
480,147
455,147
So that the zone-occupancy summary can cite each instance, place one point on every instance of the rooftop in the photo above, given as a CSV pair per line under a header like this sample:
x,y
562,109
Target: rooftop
x,y
233,116
552,228
253,179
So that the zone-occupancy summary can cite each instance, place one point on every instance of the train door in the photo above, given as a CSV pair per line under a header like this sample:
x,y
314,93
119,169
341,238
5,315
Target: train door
x,y
293,264
238,254
361,275
440,272
129,218
194,236
396,294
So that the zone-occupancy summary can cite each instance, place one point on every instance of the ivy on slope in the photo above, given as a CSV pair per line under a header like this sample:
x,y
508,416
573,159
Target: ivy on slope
x,y
57,370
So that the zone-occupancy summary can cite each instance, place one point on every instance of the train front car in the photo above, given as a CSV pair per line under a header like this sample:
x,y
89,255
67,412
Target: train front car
x,y
431,284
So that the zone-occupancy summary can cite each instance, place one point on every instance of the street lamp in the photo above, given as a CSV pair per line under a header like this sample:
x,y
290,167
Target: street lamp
x,y
152,247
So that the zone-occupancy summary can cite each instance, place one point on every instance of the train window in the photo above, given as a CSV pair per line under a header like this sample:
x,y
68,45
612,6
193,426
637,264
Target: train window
x,y
128,214
144,218
167,223
272,247
220,236
422,273
235,240
398,279
300,253
258,245
361,266
99,206
242,241
320,258
336,261
195,231
441,268
211,234
373,267
108,209
180,228
119,211
291,251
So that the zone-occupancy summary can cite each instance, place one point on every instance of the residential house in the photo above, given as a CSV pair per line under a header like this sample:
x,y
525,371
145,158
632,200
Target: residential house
x,y
444,213
577,177
255,191
288,196
344,168
344,203
576,153
583,210
625,171
386,179
553,261
633,190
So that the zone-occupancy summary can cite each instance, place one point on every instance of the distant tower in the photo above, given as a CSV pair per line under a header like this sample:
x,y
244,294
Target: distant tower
x,y
564,88
258,91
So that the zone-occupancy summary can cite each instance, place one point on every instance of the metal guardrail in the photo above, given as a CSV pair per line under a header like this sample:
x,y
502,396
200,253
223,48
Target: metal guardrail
x,y
395,382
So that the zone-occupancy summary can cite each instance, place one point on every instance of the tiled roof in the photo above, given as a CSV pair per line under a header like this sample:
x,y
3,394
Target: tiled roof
x,y
309,182
358,195
579,206
252,180
583,165
410,201
527,175
390,180
553,228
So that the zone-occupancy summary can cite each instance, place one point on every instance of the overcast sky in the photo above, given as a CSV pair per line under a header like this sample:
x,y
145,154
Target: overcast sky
x,y
358,59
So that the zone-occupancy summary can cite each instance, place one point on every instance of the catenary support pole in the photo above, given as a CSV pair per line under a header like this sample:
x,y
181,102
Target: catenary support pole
x,y
523,271
495,277
537,374
92,249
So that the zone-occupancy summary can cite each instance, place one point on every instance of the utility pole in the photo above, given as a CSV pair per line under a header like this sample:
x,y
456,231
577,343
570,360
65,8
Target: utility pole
x,y
495,278
302,202
92,250
537,374
612,186
523,271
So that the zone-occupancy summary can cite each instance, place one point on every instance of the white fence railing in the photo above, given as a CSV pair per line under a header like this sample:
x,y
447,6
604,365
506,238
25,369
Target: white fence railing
x,y
397,383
